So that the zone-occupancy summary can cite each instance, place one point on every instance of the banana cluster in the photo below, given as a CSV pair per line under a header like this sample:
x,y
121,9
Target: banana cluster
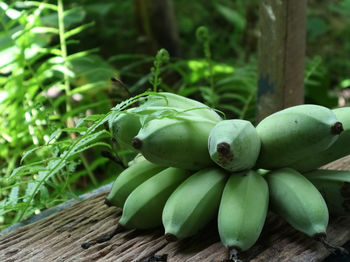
x,y
196,167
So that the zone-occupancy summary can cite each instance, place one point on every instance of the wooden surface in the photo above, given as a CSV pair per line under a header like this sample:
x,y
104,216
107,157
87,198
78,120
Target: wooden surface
x,y
58,238
281,52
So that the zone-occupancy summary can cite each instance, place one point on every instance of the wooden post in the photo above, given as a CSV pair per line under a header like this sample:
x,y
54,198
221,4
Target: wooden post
x,y
157,26
281,55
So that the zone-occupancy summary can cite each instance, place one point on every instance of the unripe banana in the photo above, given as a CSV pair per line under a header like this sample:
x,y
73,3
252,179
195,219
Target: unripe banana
x,y
127,124
193,204
339,149
183,103
124,127
334,186
129,179
176,142
297,200
295,134
138,158
234,145
143,207
243,210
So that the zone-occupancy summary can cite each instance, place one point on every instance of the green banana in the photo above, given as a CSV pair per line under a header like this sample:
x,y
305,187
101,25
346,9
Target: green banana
x,y
295,134
176,142
143,207
183,103
297,200
129,179
124,127
242,211
193,204
339,149
138,158
234,145
127,124
334,186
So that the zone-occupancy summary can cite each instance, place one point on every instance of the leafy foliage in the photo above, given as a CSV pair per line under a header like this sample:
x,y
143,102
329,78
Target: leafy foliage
x,y
38,94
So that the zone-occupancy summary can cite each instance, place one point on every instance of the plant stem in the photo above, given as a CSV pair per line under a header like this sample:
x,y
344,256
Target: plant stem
x,y
90,173
64,56
61,160
70,121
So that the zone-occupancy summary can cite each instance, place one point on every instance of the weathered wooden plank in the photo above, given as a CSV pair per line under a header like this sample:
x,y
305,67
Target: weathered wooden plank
x,y
281,51
59,236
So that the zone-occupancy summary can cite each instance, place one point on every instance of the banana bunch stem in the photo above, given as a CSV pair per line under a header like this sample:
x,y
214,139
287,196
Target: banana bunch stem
x,y
331,248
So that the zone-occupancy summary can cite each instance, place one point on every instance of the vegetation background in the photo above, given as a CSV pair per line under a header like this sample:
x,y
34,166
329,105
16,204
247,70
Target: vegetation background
x,y
65,64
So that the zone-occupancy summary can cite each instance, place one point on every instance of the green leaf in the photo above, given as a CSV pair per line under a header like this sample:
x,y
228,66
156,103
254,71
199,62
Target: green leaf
x,y
27,153
82,54
82,149
37,4
64,70
55,135
232,16
44,30
87,139
44,194
231,108
10,12
233,96
74,129
30,192
26,169
77,30
13,197
88,87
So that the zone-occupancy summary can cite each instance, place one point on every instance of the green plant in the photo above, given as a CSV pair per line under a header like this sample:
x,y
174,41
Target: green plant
x,y
44,94
162,58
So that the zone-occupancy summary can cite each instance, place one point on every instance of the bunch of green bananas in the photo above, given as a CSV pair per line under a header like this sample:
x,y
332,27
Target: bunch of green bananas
x,y
197,167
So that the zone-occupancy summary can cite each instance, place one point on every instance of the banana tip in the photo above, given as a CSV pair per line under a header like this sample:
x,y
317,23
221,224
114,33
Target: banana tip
x,y
107,202
170,237
321,237
337,128
233,252
136,143
223,148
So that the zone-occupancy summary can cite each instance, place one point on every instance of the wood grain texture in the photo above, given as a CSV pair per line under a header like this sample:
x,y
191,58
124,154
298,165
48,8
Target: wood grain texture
x,y
59,236
281,51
